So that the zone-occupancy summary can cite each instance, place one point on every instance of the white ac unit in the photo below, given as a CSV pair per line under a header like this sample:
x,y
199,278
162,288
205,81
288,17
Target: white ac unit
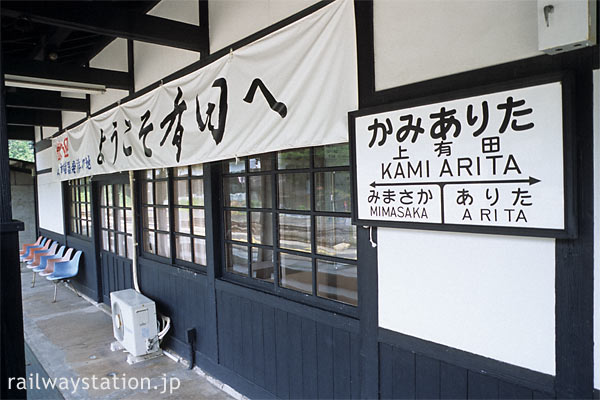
x,y
134,322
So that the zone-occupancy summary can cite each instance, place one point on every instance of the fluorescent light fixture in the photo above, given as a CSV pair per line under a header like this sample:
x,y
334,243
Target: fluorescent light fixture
x,y
29,82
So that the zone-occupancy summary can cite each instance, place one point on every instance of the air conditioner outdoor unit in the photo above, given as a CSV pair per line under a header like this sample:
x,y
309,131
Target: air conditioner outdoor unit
x,y
134,324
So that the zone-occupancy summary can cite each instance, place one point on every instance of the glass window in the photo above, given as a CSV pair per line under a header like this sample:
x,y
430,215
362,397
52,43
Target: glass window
x,y
287,221
80,198
116,219
189,229
155,210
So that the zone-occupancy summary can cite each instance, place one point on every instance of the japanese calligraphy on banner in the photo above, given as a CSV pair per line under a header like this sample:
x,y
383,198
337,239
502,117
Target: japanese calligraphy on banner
x,y
490,163
291,88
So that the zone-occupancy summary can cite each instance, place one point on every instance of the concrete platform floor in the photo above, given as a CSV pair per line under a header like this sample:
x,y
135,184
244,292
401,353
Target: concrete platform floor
x,y
71,339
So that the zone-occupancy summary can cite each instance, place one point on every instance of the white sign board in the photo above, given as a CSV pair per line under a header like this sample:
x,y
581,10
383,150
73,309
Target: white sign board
x,y
469,164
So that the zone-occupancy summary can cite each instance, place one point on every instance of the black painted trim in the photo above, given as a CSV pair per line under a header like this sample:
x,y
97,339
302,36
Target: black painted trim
x,y
130,67
212,200
363,10
368,311
208,60
508,372
35,198
43,145
574,274
44,171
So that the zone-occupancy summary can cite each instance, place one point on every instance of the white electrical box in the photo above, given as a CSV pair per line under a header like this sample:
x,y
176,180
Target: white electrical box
x,y
134,322
565,25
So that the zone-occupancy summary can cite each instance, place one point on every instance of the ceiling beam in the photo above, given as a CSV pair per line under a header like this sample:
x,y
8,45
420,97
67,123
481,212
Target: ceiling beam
x,y
49,43
110,21
22,117
21,132
70,73
45,100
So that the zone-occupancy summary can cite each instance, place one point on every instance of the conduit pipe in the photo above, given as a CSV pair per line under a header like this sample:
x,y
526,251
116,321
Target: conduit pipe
x,y
165,322
134,264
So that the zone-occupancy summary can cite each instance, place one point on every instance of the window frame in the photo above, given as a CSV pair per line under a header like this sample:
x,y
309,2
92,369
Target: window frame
x,y
114,207
171,179
70,186
275,287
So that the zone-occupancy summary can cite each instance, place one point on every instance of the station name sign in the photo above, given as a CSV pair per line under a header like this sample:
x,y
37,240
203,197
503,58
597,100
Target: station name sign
x,y
494,162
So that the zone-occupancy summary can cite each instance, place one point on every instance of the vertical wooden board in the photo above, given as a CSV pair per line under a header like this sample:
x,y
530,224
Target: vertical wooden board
x,y
222,329
236,312
324,361
282,347
482,386
202,328
129,274
247,349
404,374
105,278
355,365
309,358
113,274
453,382
542,395
151,280
269,341
223,314
427,378
386,371
125,268
196,305
256,332
295,356
188,298
509,391
341,364
120,273
176,306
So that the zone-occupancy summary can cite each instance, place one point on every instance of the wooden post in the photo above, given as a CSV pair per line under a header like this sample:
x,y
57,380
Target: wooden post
x,y
12,352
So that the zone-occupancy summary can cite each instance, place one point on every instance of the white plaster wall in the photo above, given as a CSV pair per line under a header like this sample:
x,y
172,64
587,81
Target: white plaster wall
x,y
114,57
44,159
488,295
49,195
68,117
37,132
416,40
597,229
48,131
153,62
232,20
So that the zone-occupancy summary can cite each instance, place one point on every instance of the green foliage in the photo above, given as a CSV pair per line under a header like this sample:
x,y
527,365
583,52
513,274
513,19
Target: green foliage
x,y
21,150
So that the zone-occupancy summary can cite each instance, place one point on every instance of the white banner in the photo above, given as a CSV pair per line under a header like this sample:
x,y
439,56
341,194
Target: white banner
x,y
292,88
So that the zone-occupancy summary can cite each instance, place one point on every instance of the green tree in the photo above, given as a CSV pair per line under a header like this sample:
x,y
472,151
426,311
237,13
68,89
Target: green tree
x,y
21,150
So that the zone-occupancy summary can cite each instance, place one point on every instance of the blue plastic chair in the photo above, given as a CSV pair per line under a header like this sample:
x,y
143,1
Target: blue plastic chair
x,y
49,251
44,262
30,249
65,270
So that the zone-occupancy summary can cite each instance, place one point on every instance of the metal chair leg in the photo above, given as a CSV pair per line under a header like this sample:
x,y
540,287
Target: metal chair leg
x,y
55,289
74,288
33,280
